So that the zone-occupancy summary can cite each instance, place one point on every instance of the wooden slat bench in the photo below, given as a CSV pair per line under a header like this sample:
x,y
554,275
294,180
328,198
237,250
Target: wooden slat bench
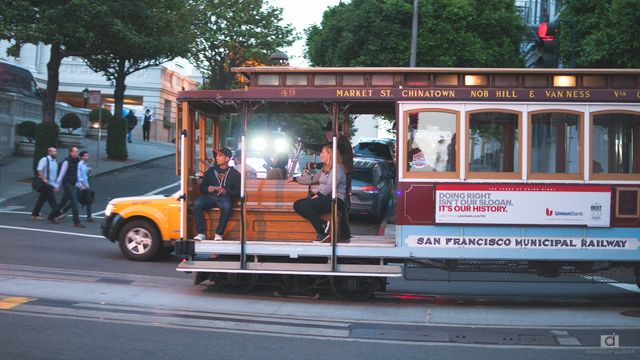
x,y
270,214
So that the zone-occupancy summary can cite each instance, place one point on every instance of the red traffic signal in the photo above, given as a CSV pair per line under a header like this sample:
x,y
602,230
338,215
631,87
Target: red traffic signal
x,y
547,31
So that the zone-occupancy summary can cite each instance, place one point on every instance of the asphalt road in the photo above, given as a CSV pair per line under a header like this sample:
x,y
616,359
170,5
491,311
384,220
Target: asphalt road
x,y
53,327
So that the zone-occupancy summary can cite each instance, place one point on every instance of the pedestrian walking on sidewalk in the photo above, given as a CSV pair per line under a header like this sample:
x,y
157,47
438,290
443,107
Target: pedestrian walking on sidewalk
x,y
67,178
47,171
146,125
132,121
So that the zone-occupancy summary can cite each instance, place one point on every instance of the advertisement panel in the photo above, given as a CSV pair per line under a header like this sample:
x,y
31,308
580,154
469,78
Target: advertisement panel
x,y
523,204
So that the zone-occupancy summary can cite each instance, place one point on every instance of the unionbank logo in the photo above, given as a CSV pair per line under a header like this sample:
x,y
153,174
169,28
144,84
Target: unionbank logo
x,y
558,213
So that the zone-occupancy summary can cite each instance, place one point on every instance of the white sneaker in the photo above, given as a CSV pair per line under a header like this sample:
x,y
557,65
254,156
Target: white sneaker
x,y
218,238
199,237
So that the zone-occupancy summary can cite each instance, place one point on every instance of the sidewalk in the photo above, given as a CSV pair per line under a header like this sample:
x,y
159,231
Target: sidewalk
x,y
16,174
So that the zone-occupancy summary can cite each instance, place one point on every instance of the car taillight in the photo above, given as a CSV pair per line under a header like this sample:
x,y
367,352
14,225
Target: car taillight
x,y
369,189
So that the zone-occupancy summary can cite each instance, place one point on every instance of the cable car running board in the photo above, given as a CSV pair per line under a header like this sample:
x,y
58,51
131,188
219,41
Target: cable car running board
x,y
292,268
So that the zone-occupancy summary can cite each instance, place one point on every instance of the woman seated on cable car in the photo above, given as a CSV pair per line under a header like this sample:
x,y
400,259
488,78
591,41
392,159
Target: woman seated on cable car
x,y
320,203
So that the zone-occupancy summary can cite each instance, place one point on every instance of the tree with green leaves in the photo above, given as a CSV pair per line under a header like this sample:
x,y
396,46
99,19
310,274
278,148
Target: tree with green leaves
x,y
136,35
604,35
460,33
62,24
233,33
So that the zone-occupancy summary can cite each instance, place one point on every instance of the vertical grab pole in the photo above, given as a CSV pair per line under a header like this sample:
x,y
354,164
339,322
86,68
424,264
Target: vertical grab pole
x,y
184,172
183,181
334,186
243,179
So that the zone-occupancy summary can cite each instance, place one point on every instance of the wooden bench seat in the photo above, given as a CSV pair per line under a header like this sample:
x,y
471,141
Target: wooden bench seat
x,y
270,214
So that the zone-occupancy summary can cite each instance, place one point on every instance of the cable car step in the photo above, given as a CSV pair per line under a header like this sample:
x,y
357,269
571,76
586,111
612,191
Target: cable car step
x,y
292,268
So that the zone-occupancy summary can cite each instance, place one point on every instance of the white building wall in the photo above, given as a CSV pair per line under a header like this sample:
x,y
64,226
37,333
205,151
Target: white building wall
x,y
153,85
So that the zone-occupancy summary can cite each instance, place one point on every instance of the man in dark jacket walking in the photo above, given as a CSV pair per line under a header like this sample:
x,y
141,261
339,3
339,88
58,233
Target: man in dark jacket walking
x,y
67,177
132,121
220,185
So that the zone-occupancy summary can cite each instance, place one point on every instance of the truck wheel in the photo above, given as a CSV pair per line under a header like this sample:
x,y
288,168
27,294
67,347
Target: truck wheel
x,y
139,240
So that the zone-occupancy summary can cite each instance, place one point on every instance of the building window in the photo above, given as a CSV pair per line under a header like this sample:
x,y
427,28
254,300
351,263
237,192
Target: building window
x,y
493,148
555,145
431,143
615,146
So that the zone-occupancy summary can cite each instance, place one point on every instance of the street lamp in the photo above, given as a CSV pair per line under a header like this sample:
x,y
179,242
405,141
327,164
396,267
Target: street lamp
x,y
85,96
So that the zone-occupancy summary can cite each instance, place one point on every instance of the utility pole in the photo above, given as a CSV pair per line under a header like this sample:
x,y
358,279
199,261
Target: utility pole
x,y
414,34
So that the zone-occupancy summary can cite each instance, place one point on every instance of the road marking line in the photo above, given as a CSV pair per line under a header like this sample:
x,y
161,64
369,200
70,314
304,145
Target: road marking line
x,y
50,231
29,213
11,302
11,208
162,188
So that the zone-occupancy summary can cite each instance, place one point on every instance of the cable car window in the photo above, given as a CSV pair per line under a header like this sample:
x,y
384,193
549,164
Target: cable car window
x,y
555,143
615,144
493,142
431,146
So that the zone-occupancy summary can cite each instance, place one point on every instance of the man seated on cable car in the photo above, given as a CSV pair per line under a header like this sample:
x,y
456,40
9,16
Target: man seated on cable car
x,y
320,203
220,185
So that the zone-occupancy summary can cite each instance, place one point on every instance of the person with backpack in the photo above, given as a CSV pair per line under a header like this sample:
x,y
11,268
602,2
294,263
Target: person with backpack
x,y
132,121
47,170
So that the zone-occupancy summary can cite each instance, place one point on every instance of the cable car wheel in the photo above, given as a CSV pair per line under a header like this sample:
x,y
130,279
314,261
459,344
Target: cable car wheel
x,y
235,282
354,288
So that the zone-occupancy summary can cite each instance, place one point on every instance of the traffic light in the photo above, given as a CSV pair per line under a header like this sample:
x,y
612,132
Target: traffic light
x,y
547,45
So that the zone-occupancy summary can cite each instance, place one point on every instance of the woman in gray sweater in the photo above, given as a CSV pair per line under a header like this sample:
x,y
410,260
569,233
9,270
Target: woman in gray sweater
x,y
320,203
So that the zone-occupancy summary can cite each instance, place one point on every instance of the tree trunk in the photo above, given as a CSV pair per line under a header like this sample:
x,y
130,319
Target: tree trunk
x,y
120,87
220,83
53,83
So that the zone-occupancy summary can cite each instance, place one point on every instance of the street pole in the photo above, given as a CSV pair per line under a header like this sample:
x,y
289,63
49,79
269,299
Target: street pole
x,y
99,134
414,34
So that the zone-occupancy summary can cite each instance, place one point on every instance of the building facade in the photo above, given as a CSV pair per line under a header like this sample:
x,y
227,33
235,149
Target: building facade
x,y
154,88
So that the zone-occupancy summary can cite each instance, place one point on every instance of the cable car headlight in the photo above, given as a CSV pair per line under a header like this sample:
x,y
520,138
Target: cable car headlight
x,y
281,145
259,144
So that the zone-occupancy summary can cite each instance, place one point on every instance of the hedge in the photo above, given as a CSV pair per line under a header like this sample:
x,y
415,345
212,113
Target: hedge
x,y
117,139
46,137
70,121
28,130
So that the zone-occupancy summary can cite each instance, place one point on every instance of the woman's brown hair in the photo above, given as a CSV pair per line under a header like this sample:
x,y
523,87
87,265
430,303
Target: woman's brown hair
x,y
327,167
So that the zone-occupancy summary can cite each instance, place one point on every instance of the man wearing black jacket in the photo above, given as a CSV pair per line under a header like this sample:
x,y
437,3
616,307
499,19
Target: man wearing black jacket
x,y
220,185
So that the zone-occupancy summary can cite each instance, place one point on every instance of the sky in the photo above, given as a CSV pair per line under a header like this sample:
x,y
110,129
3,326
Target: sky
x,y
301,14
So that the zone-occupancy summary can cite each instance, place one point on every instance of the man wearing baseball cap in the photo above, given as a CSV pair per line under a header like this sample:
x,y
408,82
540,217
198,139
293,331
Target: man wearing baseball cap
x,y
220,185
